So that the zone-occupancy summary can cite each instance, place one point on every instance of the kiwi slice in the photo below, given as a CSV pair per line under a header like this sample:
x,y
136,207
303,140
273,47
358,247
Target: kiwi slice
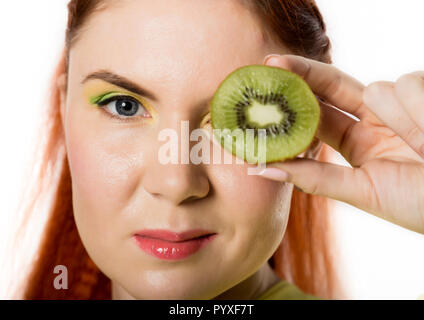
x,y
256,102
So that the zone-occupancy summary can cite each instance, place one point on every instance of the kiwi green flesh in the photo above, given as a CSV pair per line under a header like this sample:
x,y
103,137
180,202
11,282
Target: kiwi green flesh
x,y
269,98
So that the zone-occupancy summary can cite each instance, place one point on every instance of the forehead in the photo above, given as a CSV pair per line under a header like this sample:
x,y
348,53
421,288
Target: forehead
x,y
163,39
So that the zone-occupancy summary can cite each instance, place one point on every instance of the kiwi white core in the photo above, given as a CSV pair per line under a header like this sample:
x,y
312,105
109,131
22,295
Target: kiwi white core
x,y
264,115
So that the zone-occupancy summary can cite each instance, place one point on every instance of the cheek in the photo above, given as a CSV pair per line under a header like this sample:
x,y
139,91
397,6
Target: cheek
x,y
254,212
97,175
104,169
255,206
105,172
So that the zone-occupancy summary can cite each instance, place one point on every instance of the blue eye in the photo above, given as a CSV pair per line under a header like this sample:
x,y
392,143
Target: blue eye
x,y
123,107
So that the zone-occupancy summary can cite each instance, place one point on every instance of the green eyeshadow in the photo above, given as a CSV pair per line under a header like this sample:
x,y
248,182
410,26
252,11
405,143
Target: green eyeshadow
x,y
102,97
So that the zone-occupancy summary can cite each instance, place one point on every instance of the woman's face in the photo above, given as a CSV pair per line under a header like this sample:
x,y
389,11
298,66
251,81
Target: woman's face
x,y
179,52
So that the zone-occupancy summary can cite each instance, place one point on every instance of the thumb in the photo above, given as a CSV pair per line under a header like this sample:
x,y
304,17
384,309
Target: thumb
x,y
320,178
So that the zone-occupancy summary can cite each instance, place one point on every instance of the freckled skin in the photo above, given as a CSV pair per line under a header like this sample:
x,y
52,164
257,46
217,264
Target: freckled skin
x,y
118,184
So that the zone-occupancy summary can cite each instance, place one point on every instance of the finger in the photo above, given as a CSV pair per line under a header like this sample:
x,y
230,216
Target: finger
x,y
335,130
410,91
382,101
336,87
321,178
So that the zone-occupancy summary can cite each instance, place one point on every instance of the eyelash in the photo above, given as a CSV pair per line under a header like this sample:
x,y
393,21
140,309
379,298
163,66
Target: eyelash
x,y
105,102
102,104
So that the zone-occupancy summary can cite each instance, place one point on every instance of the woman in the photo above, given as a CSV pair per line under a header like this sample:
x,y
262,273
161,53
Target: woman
x,y
112,187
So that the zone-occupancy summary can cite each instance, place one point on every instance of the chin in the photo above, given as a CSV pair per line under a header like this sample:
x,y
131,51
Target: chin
x,y
169,290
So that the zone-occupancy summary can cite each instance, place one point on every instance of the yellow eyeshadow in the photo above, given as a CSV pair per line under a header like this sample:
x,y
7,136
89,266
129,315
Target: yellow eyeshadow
x,y
95,89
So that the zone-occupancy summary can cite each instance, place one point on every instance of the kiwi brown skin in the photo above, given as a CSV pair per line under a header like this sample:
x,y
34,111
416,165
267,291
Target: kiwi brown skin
x,y
295,76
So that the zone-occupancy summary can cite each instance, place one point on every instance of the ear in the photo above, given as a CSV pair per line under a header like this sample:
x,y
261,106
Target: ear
x,y
61,86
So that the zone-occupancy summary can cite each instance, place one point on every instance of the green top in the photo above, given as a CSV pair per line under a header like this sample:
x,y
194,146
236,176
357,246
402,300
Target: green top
x,y
284,290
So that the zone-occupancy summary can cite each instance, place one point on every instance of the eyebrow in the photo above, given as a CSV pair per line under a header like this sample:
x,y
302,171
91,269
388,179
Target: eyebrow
x,y
120,81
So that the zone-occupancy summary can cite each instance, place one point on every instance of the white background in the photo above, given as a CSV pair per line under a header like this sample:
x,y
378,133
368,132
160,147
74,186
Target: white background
x,y
372,40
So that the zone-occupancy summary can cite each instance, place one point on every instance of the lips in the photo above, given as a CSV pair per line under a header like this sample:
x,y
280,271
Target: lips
x,y
173,236
168,245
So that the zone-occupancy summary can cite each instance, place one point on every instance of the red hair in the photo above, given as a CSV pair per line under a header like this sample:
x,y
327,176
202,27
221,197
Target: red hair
x,y
305,255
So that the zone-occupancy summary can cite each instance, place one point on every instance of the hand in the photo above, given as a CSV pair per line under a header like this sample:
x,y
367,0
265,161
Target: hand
x,y
385,148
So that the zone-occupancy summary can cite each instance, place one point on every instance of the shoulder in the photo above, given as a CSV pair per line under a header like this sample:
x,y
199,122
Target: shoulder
x,y
284,290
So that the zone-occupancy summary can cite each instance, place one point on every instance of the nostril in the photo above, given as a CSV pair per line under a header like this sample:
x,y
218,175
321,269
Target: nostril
x,y
192,198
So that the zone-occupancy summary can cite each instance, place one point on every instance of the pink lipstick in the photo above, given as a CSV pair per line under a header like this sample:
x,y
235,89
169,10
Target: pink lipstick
x,y
168,245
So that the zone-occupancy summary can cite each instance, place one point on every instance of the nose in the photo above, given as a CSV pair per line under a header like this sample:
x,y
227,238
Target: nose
x,y
179,182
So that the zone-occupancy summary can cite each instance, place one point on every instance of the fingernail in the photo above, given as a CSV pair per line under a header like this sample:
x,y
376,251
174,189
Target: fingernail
x,y
295,64
422,151
272,60
275,174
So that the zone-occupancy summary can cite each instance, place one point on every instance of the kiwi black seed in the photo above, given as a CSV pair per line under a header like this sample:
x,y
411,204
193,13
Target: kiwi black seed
x,y
272,99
